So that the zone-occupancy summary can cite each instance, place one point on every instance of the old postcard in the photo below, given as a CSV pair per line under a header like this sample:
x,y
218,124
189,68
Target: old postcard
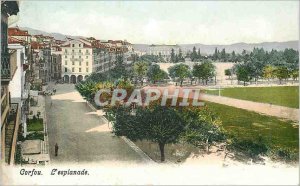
x,y
149,93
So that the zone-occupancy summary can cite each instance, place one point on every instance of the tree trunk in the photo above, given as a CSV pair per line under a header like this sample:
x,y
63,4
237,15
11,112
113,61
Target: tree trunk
x,y
207,146
181,82
244,83
142,82
162,151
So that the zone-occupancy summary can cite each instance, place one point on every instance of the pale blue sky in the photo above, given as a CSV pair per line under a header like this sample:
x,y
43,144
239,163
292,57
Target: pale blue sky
x,y
207,22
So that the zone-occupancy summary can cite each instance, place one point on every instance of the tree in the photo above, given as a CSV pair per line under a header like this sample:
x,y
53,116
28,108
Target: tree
x,y
268,72
203,127
180,71
215,55
223,55
199,54
164,125
281,73
86,89
233,57
291,57
295,74
173,56
155,73
119,71
180,56
228,73
140,69
204,70
242,73
194,54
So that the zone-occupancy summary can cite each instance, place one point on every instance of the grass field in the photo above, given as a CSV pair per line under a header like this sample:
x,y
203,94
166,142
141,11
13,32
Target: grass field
x,y
287,96
249,125
35,125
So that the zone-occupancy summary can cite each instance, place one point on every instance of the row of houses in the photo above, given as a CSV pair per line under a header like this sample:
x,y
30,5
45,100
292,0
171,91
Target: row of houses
x,y
72,60
30,61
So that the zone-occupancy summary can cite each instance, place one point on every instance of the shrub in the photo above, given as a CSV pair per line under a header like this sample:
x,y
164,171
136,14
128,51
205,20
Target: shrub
x,y
248,147
284,154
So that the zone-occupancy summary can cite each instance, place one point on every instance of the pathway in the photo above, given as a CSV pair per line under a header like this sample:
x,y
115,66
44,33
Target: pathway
x,y
263,108
82,136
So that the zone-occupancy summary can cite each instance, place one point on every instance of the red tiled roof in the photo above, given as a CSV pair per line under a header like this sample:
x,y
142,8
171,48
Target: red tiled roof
x,y
36,45
15,31
87,46
12,40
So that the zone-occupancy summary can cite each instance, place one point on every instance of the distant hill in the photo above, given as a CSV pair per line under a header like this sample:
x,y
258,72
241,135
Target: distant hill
x,y
237,47
57,36
205,49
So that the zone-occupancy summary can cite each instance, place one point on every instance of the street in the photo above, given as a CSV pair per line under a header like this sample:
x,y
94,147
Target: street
x,y
81,135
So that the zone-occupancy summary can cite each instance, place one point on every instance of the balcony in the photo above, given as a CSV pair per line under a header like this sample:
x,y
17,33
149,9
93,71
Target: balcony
x,y
11,133
5,68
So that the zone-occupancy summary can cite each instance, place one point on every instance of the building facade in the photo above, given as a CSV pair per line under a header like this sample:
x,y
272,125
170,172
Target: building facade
x,y
19,88
9,112
163,50
77,60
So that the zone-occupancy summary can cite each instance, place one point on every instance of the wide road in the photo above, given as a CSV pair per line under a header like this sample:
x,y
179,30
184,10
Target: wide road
x,y
82,136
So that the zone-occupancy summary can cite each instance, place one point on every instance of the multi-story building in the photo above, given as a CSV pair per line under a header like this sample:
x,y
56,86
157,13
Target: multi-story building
x,y
45,64
56,65
163,50
9,112
77,60
19,88
103,59
17,33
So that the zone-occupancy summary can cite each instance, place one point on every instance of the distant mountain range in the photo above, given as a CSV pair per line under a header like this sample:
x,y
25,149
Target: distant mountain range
x,y
237,47
57,36
205,49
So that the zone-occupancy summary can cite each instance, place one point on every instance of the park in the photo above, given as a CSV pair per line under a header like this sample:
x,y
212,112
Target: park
x,y
246,133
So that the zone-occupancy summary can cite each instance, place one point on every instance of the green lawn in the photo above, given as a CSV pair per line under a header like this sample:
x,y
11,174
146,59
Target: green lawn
x,y
249,125
285,96
35,125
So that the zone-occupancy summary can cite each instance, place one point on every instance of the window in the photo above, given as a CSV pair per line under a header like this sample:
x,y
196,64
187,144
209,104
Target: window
x,y
87,51
79,63
72,57
79,69
87,57
79,50
87,69
73,45
66,56
79,46
79,56
73,69
73,50
66,62
87,63
66,70
66,50
73,63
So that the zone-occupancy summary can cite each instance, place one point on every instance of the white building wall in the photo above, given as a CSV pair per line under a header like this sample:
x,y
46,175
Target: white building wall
x,y
77,60
16,85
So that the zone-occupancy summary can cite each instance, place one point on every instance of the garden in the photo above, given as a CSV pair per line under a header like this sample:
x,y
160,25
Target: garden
x,y
35,124
287,96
